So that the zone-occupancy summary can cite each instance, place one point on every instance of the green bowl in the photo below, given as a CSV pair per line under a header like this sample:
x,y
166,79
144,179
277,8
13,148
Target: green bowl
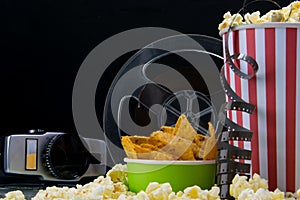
x,y
180,174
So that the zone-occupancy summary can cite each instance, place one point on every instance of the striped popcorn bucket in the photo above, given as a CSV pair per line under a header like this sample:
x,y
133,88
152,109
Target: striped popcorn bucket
x,y
275,91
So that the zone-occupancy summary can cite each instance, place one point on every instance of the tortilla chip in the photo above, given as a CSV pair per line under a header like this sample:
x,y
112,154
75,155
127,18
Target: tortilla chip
x,y
128,147
196,151
199,140
187,155
178,146
184,129
160,139
158,155
210,153
168,129
139,139
149,146
210,148
142,152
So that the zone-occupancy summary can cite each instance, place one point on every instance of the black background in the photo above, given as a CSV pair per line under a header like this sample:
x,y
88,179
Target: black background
x,y
44,42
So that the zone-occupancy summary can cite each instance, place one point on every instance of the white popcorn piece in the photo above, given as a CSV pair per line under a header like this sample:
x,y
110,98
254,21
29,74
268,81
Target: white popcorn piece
x,y
195,192
277,194
122,197
192,192
152,186
257,182
246,194
239,183
158,191
274,16
14,195
291,12
253,18
263,194
233,20
118,173
141,196
172,196
213,193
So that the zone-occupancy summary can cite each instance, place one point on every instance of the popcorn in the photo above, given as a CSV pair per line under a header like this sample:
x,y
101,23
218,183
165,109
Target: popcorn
x,y
55,192
100,187
233,20
253,18
195,192
290,13
255,188
239,183
158,191
277,194
118,173
274,16
14,195
109,187
256,182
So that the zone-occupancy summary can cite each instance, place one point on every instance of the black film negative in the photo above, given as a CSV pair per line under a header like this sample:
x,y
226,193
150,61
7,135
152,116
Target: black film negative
x,y
236,135
227,151
229,157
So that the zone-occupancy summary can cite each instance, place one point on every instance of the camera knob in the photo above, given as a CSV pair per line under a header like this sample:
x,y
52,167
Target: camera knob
x,y
32,131
65,157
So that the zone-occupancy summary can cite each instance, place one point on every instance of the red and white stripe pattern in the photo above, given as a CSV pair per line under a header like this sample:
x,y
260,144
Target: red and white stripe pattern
x,y
275,90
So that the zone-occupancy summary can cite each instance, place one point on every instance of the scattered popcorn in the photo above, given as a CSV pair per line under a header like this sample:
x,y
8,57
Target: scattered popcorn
x,y
112,187
100,187
195,192
158,191
239,183
255,188
14,195
256,182
55,192
290,13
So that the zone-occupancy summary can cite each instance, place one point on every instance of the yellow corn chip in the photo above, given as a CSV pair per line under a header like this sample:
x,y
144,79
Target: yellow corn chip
x,y
160,139
178,146
187,155
184,129
158,155
142,152
128,147
168,129
210,148
139,139
149,146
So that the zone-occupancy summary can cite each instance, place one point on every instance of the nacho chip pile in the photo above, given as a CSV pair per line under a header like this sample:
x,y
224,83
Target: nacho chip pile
x,y
181,142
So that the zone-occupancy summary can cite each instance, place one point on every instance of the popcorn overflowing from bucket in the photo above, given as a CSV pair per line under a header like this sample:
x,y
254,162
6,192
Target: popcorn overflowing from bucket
x,y
290,13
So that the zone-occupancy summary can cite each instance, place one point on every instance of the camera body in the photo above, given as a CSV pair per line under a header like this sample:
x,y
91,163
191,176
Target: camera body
x,y
51,156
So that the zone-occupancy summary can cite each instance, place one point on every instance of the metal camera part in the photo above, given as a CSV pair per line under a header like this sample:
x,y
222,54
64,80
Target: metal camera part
x,y
54,156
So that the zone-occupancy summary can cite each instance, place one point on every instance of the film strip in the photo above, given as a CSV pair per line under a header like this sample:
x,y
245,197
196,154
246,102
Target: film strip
x,y
229,157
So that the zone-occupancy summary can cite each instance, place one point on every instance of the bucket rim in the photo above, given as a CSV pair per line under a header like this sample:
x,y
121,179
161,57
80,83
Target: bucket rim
x,y
263,25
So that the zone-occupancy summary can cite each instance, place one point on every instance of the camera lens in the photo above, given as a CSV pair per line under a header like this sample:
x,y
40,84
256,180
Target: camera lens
x,y
66,157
